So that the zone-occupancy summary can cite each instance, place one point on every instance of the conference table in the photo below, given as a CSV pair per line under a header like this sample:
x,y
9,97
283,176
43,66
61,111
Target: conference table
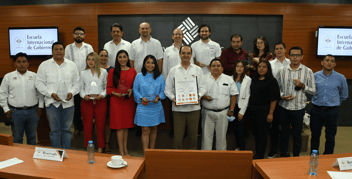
x,y
75,166
296,167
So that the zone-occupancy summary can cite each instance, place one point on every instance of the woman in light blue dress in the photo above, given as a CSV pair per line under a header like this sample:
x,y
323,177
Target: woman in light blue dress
x,y
148,90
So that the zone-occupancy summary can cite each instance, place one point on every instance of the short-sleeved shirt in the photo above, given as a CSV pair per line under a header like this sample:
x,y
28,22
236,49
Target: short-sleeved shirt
x,y
112,49
263,92
220,90
140,49
229,57
204,53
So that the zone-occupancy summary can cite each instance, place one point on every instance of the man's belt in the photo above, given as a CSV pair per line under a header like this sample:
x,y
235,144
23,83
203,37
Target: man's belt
x,y
325,108
26,107
216,110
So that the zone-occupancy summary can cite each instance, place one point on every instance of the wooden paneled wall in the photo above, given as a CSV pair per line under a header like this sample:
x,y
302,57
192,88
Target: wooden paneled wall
x,y
300,21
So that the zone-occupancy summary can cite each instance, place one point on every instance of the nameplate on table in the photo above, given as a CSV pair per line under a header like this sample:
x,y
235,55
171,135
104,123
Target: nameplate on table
x,y
344,163
49,154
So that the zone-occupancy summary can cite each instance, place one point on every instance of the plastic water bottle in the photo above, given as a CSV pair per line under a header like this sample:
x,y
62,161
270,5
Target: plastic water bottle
x,y
90,151
313,164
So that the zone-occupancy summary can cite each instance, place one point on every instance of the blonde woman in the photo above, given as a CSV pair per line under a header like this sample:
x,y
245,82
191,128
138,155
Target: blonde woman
x,y
93,91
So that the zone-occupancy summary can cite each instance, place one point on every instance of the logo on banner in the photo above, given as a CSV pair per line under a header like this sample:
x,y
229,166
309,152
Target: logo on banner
x,y
190,30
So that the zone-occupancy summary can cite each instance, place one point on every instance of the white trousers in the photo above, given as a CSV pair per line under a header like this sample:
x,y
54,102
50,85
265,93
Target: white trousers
x,y
219,122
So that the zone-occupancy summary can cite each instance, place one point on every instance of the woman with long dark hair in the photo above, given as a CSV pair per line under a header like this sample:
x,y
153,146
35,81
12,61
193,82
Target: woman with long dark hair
x,y
243,83
122,106
104,56
148,89
264,95
261,51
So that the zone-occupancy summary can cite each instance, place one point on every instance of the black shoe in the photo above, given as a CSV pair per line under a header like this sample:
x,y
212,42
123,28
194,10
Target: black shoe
x,y
171,133
271,154
285,155
139,132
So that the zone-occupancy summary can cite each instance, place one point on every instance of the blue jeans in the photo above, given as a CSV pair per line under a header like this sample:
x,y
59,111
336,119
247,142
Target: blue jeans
x,y
292,118
60,121
318,118
25,120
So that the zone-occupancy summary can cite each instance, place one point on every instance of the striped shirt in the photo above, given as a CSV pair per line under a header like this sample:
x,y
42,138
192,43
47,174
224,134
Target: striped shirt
x,y
287,86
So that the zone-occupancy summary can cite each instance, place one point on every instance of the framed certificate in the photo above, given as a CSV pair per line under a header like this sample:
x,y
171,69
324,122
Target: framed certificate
x,y
186,88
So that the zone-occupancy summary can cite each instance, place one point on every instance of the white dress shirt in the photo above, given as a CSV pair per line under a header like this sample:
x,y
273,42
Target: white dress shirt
x,y
204,53
112,49
19,91
276,65
78,55
287,86
50,76
140,49
171,59
170,86
245,93
93,84
220,90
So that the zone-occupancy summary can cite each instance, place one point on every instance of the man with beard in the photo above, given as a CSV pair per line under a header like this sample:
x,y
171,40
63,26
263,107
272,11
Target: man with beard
x,y
77,52
234,53
145,45
116,44
205,49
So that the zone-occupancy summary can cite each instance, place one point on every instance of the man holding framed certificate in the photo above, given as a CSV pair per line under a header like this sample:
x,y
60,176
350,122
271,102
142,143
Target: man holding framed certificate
x,y
184,89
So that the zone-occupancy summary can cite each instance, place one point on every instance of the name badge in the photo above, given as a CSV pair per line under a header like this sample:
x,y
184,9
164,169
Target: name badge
x,y
344,163
49,154
93,83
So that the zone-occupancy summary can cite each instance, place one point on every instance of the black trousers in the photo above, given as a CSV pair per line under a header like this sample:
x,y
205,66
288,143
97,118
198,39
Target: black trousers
x,y
260,127
77,120
275,130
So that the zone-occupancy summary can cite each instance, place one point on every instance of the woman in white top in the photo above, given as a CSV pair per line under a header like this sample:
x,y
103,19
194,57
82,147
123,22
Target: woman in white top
x,y
243,83
93,91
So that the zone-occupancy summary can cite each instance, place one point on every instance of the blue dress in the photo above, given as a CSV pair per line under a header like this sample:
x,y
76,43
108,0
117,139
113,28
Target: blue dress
x,y
145,86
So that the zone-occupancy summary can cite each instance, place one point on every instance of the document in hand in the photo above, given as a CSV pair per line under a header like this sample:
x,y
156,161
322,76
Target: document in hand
x,y
186,88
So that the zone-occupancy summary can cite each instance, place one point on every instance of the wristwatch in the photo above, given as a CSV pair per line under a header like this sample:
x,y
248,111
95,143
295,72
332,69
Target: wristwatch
x,y
232,111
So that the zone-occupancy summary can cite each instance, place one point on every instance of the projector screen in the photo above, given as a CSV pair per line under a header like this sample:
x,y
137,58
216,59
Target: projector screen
x,y
336,41
34,41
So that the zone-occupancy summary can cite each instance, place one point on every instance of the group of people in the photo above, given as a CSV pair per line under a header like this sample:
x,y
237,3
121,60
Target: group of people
x,y
122,86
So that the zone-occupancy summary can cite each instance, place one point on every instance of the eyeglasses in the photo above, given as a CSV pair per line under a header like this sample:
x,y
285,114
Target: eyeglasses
x,y
259,43
79,33
295,55
177,34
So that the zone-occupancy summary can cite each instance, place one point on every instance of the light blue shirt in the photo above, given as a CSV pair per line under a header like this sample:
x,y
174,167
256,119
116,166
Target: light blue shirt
x,y
239,89
330,90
